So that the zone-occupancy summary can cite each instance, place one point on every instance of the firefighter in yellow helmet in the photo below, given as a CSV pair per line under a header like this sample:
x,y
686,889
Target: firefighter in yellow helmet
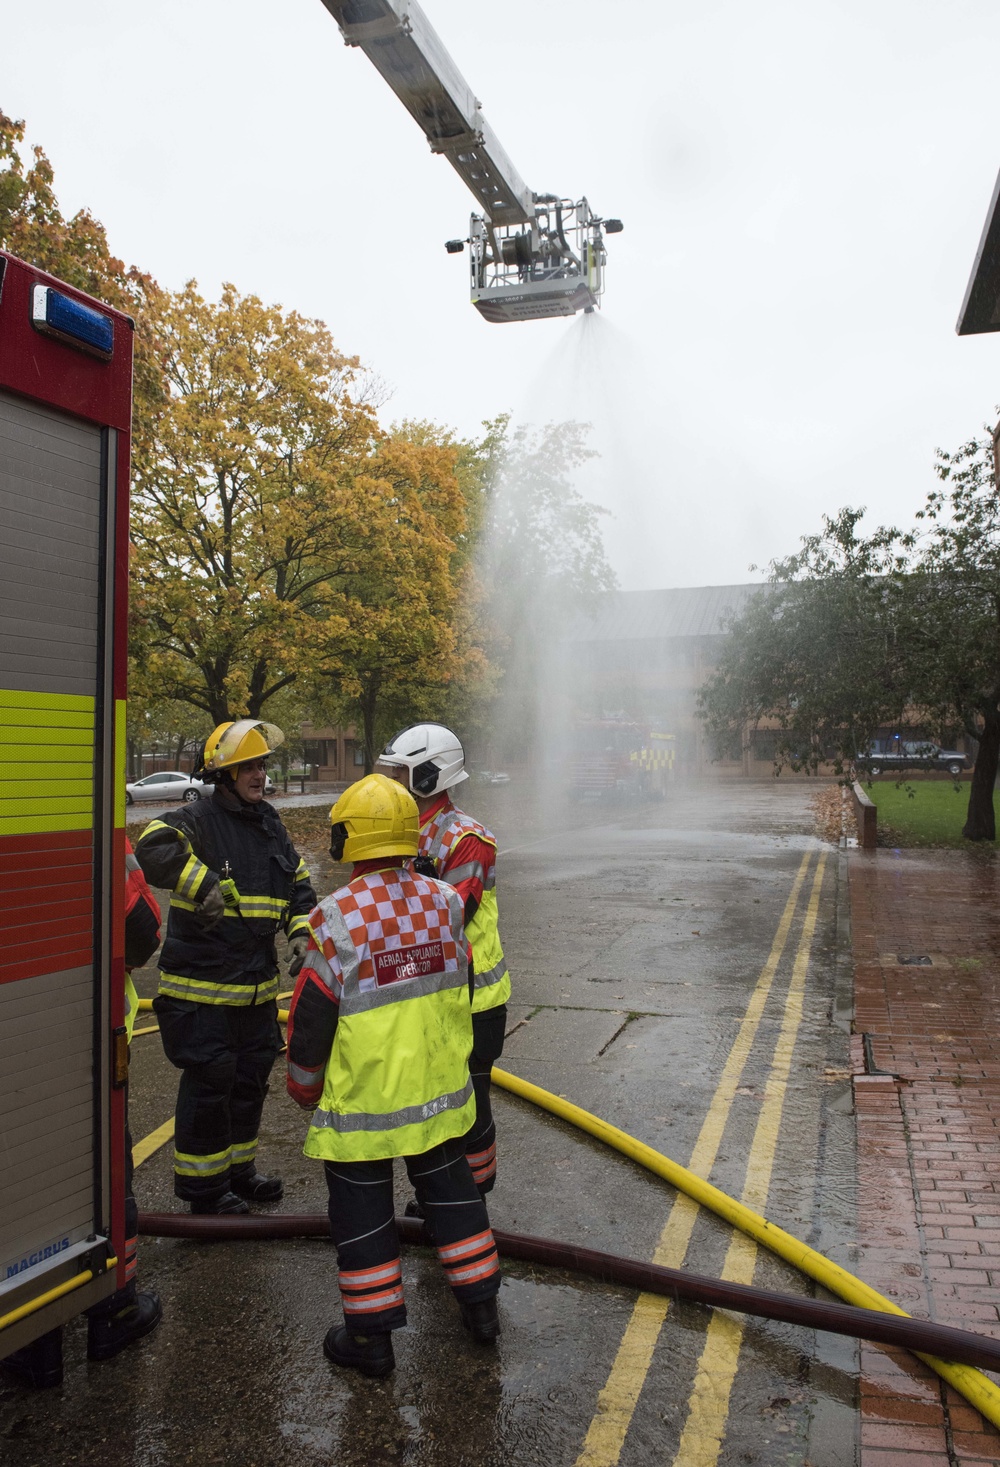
x,y
379,1037
236,882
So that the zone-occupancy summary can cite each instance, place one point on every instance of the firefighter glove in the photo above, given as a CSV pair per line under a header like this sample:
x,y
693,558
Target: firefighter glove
x,y
296,954
211,907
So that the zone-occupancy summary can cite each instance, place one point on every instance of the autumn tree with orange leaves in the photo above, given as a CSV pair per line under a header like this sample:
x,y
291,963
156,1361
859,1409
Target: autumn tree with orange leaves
x,y
285,545
408,642
281,536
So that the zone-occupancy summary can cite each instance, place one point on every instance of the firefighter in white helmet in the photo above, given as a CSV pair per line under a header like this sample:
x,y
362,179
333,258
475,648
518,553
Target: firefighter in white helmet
x,y
429,761
379,1034
236,881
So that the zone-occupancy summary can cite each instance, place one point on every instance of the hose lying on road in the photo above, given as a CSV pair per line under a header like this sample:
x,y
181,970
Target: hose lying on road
x,y
977,1389
839,1319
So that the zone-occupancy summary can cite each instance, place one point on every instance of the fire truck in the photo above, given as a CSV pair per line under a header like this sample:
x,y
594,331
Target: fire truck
x,y
617,757
65,412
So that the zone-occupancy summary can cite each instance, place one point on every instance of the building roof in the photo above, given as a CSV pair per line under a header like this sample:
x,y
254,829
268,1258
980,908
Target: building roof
x,y
691,611
981,308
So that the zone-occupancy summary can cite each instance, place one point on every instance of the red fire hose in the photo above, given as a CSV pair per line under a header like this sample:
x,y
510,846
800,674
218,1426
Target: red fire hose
x,y
941,1340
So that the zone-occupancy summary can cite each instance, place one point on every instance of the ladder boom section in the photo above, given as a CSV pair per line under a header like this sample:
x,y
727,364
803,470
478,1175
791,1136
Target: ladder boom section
x,y
401,43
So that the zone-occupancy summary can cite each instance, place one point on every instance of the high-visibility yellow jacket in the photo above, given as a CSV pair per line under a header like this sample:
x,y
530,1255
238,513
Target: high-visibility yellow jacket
x,y
465,855
380,1025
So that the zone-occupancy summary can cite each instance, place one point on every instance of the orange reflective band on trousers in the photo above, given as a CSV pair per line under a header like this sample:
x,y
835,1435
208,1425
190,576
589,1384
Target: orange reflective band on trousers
x,y
364,1290
470,1260
483,1164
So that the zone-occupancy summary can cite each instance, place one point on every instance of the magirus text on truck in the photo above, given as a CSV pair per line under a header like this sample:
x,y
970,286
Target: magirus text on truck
x,y
65,410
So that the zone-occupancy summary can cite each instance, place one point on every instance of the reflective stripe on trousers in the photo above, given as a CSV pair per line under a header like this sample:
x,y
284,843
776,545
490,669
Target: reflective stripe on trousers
x,y
232,995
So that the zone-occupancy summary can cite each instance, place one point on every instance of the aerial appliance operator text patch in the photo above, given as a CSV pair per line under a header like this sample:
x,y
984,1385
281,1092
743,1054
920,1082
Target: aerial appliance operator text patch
x,y
403,964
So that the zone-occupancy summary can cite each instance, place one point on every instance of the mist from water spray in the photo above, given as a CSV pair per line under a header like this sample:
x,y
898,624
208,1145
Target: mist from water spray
x,y
594,375
549,688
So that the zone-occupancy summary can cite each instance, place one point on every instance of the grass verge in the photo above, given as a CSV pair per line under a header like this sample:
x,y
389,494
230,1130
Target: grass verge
x,y
923,813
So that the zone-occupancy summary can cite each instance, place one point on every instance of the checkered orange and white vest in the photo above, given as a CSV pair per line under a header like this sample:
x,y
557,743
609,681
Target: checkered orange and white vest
x,y
441,835
397,1081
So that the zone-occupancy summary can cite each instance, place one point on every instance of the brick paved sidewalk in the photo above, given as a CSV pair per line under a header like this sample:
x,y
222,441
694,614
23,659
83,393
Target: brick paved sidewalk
x,y
928,1133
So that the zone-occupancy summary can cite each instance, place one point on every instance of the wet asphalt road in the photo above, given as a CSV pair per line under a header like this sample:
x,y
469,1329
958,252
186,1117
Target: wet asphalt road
x,y
635,938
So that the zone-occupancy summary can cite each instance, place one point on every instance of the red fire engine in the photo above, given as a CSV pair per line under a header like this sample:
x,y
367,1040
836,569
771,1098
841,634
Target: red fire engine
x,y
614,756
65,412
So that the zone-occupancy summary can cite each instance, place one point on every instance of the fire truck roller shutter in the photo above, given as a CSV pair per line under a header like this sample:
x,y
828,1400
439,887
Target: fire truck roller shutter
x,y
51,568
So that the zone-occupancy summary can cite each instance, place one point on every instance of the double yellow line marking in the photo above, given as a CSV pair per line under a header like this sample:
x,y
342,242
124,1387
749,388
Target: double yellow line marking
x,y
709,1402
143,1150
617,1401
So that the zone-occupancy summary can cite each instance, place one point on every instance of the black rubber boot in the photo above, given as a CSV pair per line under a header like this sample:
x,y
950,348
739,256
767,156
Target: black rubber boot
x,y
228,1202
371,1354
39,1366
257,1188
112,1330
413,1209
482,1320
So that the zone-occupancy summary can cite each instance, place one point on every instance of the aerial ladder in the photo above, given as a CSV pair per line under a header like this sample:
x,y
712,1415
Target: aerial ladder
x,y
531,255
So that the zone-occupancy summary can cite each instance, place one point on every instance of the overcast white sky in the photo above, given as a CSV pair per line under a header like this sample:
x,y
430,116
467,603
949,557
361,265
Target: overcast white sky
x,y
803,187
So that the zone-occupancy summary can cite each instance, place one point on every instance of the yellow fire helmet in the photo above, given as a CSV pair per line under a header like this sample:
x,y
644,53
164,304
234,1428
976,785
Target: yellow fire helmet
x,y
376,816
234,743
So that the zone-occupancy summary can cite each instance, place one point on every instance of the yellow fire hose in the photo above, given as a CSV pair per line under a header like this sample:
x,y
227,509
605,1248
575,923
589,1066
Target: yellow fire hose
x,y
976,1387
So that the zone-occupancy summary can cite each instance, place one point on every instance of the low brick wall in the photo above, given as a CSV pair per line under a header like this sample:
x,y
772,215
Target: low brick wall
x,y
866,815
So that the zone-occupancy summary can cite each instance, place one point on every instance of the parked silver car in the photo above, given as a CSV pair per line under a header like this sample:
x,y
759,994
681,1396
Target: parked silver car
x,y
166,785
171,785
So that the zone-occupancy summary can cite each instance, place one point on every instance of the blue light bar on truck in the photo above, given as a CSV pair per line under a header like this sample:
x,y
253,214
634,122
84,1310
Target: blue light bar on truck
x,y
68,320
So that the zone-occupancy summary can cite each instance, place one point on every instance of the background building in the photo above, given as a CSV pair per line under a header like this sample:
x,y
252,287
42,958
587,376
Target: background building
x,y
645,654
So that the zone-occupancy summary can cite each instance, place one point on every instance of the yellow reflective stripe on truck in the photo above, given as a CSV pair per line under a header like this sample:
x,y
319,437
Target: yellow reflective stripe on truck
x,y
119,763
34,793
79,703
46,762
41,774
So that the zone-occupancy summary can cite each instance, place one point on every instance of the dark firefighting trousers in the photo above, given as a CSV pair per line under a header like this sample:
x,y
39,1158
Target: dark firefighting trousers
x,y
363,1228
226,1054
481,1142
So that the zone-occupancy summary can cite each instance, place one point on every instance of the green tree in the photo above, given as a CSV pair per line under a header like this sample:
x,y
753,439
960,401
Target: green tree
x,y
855,632
817,652
955,615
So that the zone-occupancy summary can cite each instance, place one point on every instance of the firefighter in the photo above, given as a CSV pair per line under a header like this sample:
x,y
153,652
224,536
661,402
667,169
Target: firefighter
x,y
236,881
428,759
127,1315
379,1035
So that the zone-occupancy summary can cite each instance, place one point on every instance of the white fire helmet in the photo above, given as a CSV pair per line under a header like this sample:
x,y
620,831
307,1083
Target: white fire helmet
x,y
430,753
